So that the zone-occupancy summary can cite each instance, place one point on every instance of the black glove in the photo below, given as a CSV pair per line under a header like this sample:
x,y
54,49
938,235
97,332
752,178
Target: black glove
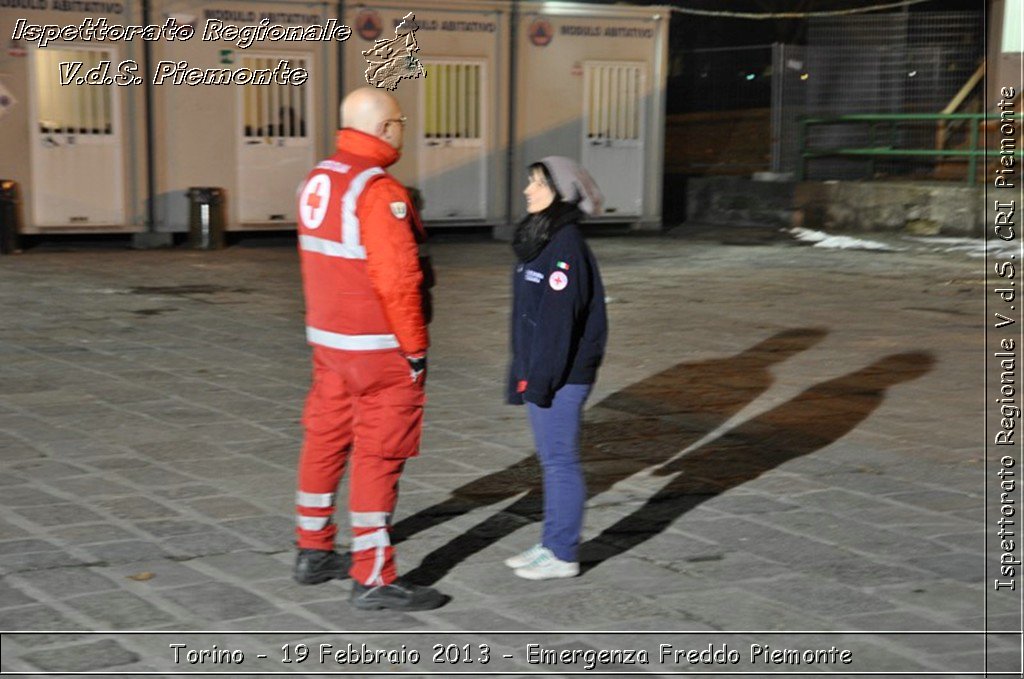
x,y
417,367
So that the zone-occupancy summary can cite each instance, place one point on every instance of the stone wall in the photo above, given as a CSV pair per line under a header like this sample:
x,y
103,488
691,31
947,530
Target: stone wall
x,y
920,208
925,208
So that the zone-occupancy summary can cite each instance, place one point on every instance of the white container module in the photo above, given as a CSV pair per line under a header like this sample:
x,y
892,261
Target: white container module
x,y
258,136
73,148
456,140
590,85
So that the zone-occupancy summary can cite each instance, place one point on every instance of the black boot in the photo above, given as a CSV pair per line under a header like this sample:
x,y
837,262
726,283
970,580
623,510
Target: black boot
x,y
313,566
398,596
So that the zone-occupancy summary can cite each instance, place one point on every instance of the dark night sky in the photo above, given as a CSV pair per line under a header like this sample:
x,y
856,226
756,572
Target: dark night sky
x,y
689,32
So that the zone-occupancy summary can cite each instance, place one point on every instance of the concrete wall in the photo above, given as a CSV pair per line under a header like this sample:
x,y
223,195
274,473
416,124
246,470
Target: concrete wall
x,y
925,208
739,201
919,208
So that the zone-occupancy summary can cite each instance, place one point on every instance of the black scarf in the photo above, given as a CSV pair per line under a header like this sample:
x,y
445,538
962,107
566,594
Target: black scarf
x,y
536,230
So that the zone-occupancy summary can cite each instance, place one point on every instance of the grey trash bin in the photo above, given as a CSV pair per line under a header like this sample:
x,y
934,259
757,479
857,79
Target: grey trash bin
x,y
10,217
206,217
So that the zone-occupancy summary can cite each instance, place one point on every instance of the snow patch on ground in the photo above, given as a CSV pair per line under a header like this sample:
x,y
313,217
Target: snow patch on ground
x,y
972,247
820,239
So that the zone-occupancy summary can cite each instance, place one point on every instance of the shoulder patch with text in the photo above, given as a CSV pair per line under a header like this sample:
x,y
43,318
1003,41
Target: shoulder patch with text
x,y
399,210
533,276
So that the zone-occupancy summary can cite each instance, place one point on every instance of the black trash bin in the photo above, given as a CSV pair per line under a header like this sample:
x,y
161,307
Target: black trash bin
x,y
206,217
10,217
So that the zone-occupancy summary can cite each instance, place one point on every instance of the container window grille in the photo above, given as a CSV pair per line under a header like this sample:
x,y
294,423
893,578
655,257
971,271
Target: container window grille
x,y
611,98
75,108
452,100
275,110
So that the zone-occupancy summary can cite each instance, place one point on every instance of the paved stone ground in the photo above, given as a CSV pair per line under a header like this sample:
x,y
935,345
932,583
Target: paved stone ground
x,y
782,440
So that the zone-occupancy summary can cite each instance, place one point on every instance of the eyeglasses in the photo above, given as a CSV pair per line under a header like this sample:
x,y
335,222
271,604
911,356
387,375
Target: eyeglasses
x,y
401,120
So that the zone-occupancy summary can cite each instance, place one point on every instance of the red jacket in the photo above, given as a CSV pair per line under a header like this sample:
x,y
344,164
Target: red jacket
x,y
359,238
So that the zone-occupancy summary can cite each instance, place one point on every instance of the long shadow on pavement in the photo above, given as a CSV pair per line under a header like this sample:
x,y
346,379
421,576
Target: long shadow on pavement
x,y
808,422
639,427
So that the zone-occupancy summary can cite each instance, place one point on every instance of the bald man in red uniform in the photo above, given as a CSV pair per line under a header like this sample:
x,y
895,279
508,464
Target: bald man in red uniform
x,y
364,285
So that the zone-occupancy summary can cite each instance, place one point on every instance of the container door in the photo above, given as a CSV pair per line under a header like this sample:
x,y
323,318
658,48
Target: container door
x,y
452,129
613,132
276,148
77,157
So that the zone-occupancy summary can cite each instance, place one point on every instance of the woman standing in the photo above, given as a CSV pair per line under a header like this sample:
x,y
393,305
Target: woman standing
x,y
559,328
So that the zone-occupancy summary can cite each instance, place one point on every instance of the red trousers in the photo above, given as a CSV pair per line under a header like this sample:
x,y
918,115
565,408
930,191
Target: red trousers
x,y
363,411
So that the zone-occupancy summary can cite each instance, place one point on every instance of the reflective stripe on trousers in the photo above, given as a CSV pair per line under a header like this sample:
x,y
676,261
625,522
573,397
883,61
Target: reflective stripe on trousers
x,y
371,532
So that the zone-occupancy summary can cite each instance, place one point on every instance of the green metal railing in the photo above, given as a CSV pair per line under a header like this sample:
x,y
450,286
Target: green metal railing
x,y
972,153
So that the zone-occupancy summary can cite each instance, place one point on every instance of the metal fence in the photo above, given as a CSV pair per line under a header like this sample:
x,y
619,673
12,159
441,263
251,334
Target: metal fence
x,y
882,63
973,123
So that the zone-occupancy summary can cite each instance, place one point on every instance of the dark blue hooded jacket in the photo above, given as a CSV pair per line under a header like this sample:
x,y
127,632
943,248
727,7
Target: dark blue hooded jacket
x,y
559,325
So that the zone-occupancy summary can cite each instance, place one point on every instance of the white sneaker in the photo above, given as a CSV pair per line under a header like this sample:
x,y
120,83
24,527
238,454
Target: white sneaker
x,y
525,558
547,566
